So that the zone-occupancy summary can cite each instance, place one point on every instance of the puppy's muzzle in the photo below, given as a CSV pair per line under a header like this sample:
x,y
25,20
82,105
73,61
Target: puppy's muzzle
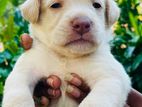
x,y
81,25
80,31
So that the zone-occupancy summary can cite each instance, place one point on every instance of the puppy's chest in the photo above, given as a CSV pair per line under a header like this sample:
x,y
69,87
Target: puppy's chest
x,y
63,67
89,68
47,63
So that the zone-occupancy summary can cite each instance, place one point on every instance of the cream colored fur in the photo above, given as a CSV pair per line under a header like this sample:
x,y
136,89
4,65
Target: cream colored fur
x,y
50,30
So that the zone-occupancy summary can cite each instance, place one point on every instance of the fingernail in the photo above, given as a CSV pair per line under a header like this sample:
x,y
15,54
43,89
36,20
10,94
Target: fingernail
x,y
68,77
73,80
50,81
76,81
73,92
69,89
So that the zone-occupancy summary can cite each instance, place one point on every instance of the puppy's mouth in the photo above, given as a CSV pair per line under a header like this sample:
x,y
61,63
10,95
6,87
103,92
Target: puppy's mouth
x,y
80,41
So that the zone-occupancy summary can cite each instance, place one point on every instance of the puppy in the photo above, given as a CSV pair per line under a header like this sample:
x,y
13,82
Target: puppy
x,y
70,36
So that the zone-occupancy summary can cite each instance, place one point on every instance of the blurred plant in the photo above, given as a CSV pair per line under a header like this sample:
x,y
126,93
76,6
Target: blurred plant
x,y
127,45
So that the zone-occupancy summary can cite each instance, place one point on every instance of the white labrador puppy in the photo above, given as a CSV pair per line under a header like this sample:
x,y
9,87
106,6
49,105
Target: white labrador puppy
x,y
70,36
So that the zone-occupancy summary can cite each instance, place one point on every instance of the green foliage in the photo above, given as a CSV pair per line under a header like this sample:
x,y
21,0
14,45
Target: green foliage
x,y
126,46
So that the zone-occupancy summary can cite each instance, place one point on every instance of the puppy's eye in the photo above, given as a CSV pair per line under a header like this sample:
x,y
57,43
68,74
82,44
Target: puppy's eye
x,y
56,5
97,5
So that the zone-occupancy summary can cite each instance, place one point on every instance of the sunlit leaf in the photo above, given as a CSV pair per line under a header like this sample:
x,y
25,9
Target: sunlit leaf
x,y
3,4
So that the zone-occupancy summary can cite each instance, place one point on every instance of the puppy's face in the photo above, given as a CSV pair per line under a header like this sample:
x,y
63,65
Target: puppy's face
x,y
71,28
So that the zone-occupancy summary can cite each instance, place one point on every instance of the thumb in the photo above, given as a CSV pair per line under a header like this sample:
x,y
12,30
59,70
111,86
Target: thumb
x,y
26,41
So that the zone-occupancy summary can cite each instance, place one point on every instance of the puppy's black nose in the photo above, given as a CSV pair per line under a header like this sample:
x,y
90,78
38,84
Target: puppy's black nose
x,y
81,25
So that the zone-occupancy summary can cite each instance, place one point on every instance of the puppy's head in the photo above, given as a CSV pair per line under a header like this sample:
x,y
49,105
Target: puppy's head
x,y
71,28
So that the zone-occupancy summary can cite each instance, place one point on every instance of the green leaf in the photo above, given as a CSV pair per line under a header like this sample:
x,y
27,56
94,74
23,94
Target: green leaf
x,y
3,4
1,88
134,22
4,72
1,59
137,62
129,51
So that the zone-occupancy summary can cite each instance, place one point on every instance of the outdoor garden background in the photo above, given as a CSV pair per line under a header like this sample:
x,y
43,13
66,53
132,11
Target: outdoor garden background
x,y
126,46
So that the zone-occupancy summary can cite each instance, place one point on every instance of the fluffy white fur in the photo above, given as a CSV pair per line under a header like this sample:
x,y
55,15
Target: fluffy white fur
x,y
50,30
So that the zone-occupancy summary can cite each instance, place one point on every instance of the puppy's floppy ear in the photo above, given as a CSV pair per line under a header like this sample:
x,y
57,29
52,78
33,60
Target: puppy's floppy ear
x,y
31,10
112,12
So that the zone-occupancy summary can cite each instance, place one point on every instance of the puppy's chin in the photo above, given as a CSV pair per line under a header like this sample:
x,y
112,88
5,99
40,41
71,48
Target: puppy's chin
x,y
75,50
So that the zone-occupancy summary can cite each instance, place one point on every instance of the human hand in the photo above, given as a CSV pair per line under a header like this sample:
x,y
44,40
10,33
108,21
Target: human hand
x,y
134,99
77,88
46,90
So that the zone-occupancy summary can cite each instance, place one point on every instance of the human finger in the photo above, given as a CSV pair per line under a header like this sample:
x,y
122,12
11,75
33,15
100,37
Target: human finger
x,y
77,81
75,93
54,81
26,41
